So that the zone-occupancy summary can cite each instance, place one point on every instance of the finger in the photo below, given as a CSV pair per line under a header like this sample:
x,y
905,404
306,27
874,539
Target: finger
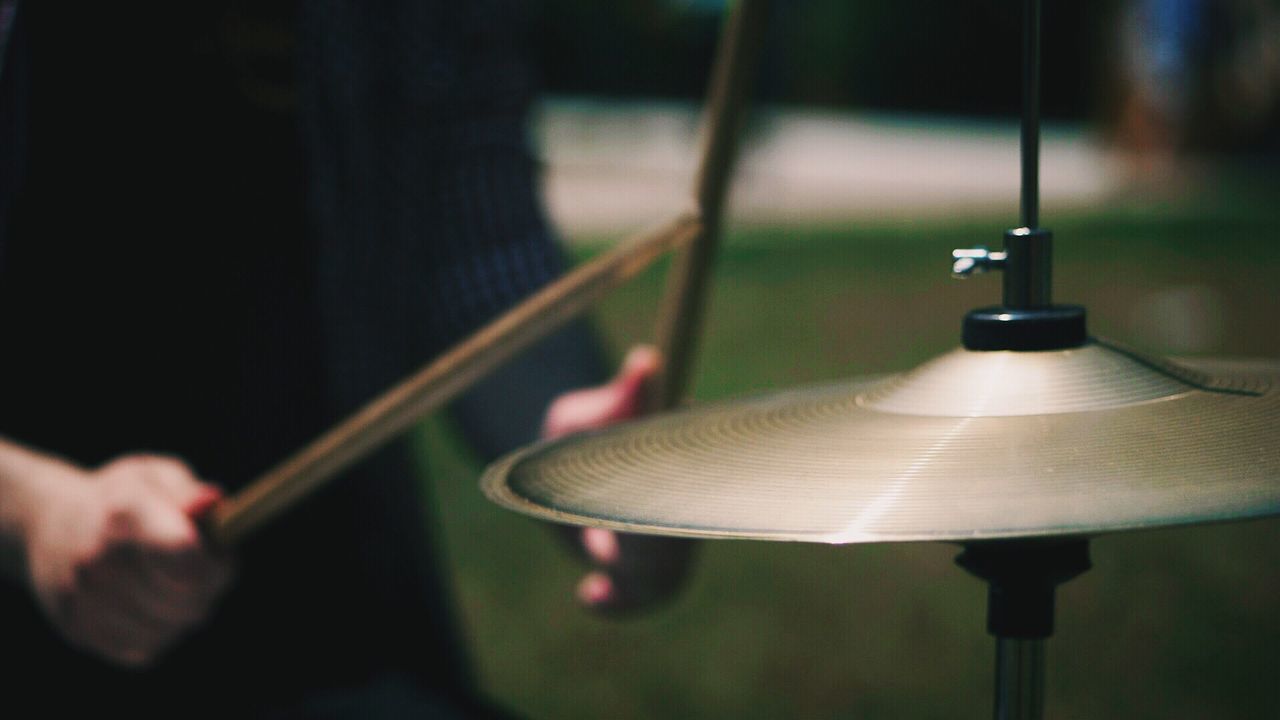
x,y
203,502
640,365
602,545
128,581
611,593
201,563
169,547
593,408
194,571
596,591
122,619
116,633
149,522
627,399
646,572
157,500
175,481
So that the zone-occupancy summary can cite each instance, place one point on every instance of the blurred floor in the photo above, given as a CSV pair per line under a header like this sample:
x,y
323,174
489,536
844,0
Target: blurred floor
x,y
614,166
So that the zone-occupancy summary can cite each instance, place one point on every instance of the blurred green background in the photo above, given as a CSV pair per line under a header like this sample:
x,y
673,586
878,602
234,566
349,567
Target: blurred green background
x,y
1170,624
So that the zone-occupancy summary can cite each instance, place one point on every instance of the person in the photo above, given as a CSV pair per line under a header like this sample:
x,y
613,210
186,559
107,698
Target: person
x,y
209,253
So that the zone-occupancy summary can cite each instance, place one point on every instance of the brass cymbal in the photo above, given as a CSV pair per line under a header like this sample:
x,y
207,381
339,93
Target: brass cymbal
x,y
971,445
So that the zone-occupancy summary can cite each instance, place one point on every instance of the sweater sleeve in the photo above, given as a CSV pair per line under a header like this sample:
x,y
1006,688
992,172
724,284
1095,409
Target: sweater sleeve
x,y
423,195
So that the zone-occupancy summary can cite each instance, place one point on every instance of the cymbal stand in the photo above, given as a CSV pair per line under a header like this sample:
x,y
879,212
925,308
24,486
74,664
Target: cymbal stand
x,y
1022,576
1027,319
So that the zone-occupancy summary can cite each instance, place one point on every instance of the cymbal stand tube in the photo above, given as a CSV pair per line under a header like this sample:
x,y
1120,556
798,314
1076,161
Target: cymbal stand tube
x,y
1019,678
1022,577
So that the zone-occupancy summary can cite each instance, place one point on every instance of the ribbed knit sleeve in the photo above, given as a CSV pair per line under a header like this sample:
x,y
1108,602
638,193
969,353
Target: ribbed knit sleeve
x,y
422,186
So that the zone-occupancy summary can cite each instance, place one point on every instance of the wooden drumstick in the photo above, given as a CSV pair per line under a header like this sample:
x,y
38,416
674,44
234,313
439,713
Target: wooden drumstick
x,y
446,377
685,295
440,381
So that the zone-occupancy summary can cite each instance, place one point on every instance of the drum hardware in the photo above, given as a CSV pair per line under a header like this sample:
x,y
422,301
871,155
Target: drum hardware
x,y
1019,446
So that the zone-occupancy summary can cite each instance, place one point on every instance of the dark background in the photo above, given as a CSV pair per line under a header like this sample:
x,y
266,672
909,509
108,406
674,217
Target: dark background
x,y
910,56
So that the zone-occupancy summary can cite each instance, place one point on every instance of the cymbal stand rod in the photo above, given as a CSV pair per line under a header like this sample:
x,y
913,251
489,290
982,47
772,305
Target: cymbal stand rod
x,y
1031,114
1019,678
1027,262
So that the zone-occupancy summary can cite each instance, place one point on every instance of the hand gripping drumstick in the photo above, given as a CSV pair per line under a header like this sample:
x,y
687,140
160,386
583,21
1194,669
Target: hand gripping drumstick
x,y
458,369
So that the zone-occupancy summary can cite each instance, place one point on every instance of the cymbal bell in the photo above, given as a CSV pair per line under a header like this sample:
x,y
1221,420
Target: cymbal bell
x,y
972,445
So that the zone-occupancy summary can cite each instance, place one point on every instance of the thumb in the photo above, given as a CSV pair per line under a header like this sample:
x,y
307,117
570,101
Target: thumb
x,y
202,502
619,399
642,364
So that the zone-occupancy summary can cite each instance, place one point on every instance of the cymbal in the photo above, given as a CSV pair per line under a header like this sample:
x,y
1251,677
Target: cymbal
x,y
972,445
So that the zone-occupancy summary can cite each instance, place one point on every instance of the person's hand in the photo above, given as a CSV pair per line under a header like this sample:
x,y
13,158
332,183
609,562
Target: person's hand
x,y
117,563
630,571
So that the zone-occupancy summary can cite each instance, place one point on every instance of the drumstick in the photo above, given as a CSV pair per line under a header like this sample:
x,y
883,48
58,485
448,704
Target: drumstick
x,y
685,295
458,369
440,381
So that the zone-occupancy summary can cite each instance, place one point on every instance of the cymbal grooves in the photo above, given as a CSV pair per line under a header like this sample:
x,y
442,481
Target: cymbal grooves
x,y
828,464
